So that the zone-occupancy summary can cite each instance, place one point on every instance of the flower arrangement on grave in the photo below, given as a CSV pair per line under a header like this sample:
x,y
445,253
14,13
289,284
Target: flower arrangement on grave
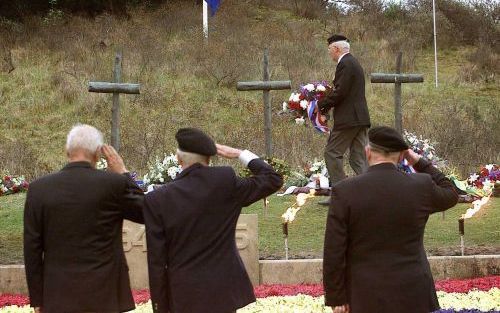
x,y
162,171
11,184
485,179
423,147
314,174
304,104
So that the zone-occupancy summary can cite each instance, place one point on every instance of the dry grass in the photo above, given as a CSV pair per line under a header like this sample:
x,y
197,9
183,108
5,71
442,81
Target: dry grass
x,y
187,82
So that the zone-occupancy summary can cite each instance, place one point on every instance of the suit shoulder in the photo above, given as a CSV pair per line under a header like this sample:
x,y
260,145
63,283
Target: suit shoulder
x,y
44,179
222,170
113,177
348,183
420,177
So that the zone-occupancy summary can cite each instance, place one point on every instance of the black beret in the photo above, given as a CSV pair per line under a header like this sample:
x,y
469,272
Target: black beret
x,y
195,141
386,139
335,38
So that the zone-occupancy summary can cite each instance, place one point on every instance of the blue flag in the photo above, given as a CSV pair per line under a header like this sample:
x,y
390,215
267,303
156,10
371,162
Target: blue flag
x,y
213,5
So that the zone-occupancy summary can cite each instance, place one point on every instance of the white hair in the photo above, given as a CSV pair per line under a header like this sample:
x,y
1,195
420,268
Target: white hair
x,y
342,45
189,158
84,137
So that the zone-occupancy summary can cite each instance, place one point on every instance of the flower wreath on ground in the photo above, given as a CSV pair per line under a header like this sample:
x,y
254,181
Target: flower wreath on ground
x,y
11,184
483,183
455,296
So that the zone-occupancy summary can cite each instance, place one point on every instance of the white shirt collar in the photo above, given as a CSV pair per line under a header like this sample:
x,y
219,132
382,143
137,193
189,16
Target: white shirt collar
x,y
340,58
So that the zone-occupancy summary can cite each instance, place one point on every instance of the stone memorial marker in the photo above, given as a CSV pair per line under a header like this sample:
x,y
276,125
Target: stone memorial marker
x,y
135,247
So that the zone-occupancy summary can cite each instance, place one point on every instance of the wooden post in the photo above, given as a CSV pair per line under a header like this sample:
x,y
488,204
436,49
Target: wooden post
x,y
115,119
397,79
266,85
116,87
398,110
267,108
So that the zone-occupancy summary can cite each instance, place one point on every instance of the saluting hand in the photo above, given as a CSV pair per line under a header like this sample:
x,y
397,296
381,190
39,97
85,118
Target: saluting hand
x,y
341,309
227,151
38,309
412,157
115,161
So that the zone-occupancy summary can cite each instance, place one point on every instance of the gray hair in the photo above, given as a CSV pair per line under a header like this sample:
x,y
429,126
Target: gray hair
x,y
342,45
380,150
84,137
189,158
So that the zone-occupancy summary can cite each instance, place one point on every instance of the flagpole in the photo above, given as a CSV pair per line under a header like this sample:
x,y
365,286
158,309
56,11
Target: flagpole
x,y
205,19
435,42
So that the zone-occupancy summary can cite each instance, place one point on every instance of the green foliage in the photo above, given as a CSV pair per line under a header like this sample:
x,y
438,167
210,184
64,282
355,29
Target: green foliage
x,y
280,166
54,15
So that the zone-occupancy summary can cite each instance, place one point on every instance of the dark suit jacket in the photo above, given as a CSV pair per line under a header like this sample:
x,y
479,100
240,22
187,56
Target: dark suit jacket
x,y
347,98
374,257
194,264
73,240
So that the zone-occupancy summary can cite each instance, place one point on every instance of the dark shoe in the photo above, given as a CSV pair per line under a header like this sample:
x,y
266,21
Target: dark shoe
x,y
325,202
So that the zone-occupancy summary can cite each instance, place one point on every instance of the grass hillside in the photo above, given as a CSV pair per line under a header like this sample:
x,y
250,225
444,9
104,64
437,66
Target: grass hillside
x,y
186,81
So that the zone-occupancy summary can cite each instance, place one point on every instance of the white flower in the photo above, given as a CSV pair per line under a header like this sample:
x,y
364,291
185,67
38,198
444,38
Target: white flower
x,y
320,88
296,97
285,106
309,87
161,180
473,177
172,172
300,121
303,104
489,167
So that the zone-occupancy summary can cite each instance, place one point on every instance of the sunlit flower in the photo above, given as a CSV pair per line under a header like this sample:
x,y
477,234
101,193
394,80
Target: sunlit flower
x,y
320,88
309,87
300,121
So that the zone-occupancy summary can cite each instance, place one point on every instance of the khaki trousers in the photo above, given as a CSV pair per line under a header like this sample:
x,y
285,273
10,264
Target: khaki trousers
x,y
353,139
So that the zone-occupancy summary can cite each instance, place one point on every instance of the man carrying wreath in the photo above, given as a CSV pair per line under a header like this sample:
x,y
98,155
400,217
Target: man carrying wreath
x,y
351,119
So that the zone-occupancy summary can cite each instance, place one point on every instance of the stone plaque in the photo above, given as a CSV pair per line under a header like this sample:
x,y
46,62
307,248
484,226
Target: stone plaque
x,y
135,247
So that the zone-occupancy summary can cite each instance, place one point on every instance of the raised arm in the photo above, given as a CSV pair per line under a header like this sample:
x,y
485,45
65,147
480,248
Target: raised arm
x,y
131,196
263,183
442,192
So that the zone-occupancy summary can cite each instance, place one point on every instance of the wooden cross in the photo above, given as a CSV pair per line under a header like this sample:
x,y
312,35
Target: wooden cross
x,y
116,87
266,85
397,79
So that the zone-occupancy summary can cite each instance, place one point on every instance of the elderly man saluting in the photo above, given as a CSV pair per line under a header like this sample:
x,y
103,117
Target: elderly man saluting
x,y
374,258
73,231
194,264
